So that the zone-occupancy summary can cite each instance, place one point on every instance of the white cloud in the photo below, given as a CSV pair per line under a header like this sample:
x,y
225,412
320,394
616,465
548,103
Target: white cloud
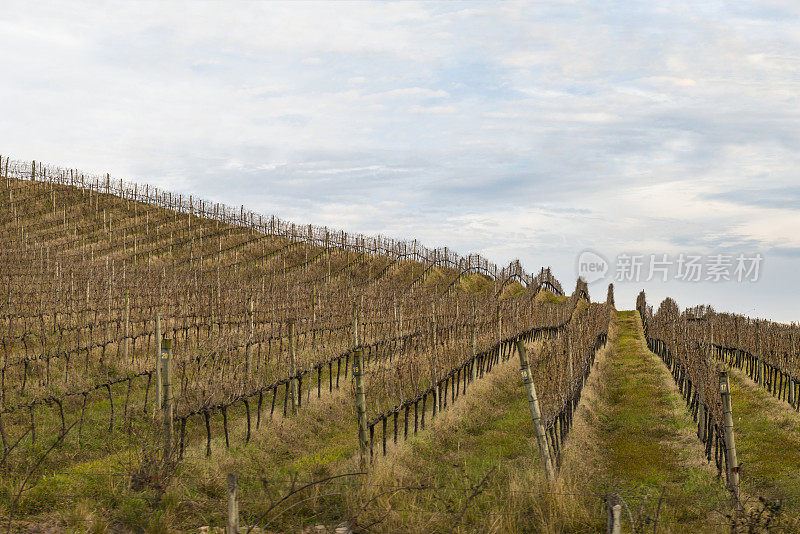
x,y
432,110
417,92
518,129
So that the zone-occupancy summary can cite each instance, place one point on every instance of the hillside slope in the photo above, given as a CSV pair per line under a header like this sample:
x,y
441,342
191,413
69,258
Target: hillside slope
x,y
265,319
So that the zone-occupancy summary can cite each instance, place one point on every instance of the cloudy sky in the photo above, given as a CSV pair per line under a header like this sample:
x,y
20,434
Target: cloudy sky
x,y
530,130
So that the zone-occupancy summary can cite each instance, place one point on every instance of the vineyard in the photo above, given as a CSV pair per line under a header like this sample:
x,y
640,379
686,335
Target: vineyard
x,y
710,357
171,363
256,319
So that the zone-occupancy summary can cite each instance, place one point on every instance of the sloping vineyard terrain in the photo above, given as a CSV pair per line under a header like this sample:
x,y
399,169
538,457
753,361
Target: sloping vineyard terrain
x,y
152,343
739,379
170,363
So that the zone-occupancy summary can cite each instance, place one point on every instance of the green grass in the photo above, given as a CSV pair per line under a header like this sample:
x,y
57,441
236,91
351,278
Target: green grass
x,y
475,283
767,444
545,295
319,441
639,441
489,434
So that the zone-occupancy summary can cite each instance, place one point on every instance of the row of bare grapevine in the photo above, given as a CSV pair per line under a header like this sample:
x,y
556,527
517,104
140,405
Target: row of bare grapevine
x,y
250,303
677,338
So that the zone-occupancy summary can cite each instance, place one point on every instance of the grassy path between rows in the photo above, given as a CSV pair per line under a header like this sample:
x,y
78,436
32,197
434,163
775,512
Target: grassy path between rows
x,y
477,469
768,447
320,441
633,435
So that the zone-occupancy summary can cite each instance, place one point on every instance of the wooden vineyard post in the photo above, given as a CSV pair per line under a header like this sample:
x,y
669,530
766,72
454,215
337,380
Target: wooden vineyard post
x,y
474,340
397,330
313,314
159,392
569,356
126,341
328,254
361,406
166,386
613,513
701,419
292,369
791,378
437,398
730,442
233,504
499,324
536,414
251,336
363,332
355,324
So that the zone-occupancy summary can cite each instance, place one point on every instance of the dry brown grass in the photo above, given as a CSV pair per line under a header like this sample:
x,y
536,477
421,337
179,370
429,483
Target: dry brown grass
x,y
633,434
581,452
488,434
768,447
